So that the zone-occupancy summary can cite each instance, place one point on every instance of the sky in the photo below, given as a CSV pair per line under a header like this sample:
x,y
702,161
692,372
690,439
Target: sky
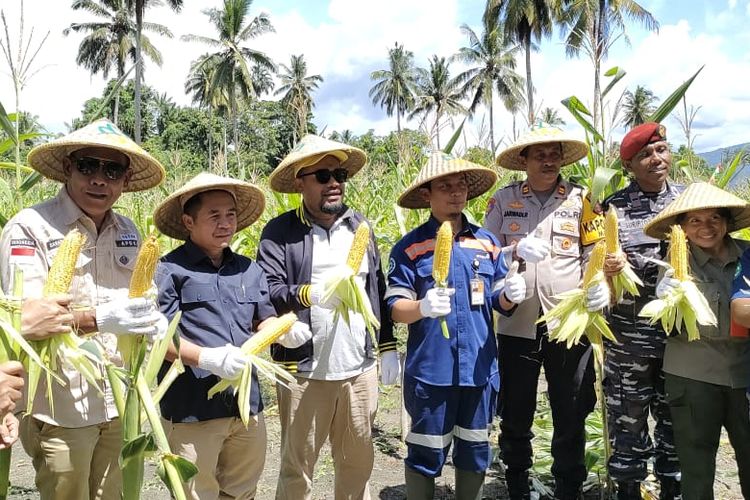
x,y
345,40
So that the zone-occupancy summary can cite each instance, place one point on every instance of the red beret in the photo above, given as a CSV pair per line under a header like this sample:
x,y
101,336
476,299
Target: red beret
x,y
641,136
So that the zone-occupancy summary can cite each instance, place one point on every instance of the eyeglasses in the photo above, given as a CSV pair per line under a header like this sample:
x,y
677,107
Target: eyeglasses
x,y
324,175
111,169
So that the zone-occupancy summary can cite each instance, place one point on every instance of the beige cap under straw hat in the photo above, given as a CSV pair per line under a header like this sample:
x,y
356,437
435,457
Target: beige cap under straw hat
x,y
248,197
308,151
47,159
699,196
480,179
572,148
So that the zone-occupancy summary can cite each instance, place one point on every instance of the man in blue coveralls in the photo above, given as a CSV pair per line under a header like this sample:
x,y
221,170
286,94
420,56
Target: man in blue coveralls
x,y
450,384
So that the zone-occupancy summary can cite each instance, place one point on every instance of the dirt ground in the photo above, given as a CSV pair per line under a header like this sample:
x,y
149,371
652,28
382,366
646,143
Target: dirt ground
x,y
387,481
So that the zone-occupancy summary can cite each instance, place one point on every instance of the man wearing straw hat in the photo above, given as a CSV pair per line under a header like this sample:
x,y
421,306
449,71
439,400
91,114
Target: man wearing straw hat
x,y
450,384
546,222
706,378
335,396
223,297
634,381
75,449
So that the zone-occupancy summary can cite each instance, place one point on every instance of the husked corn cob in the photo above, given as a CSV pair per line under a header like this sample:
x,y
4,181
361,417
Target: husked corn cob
x,y
442,259
596,263
63,267
678,253
145,267
359,247
611,231
268,335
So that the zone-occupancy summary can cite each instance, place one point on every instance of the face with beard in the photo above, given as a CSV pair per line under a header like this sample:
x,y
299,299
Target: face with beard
x,y
323,200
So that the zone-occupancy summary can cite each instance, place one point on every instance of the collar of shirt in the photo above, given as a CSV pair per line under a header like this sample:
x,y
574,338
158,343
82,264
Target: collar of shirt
x,y
701,257
634,187
71,213
307,219
559,191
467,229
195,254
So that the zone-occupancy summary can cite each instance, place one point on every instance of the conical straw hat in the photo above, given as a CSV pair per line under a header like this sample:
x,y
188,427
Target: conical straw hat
x,y
699,196
480,179
248,197
572,148
47,159
308,151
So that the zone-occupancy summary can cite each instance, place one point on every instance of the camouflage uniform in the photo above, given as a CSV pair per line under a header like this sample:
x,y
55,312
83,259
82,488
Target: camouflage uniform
x,y
634,381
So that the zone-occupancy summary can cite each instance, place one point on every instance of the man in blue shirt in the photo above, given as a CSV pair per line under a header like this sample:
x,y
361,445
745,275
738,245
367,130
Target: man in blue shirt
x,y
223,297
450,384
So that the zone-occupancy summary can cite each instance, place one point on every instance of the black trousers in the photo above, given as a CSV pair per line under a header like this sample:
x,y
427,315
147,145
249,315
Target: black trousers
x,y
570,385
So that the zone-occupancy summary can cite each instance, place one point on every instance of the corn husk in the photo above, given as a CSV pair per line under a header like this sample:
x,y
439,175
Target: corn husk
x,y
685,307
570,320
626,280
350,291
242,384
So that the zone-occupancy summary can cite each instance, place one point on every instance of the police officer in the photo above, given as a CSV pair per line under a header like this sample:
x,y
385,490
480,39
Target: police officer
x,y
450,384
546,222
634,381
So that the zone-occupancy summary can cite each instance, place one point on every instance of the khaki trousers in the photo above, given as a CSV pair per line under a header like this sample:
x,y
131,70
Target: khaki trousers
x,y
229,457
341,410
74,463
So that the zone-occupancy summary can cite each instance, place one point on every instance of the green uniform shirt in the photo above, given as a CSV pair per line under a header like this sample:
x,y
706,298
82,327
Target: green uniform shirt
x,y
716,357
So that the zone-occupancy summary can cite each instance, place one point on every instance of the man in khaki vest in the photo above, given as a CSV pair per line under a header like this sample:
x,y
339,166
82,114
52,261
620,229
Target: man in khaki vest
x,y
545,222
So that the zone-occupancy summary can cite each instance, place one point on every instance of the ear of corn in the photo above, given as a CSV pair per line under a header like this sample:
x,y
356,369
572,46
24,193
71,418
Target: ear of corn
x,y
145,267
595,265
63,267
611,231
686,307
359,247
626,280
268,335
442,257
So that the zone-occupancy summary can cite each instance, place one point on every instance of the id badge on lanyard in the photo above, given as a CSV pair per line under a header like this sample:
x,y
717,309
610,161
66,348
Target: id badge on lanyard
x,y
476,285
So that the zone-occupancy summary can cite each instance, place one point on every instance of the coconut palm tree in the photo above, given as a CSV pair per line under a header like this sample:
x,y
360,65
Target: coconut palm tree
x,y
140,7
110,42
551,117
638,106
437,92
297,88
493,65
230,64
394,89
593,26
522,22
262,80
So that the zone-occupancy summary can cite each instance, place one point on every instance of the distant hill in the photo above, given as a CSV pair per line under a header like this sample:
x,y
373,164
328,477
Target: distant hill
x,y
715,156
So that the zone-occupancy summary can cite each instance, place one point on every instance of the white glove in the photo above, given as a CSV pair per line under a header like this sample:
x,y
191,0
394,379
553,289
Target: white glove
x,y
390,368
225,362
667,285
128,317
597,297
514,288
316,297
532,249
436,302
297,335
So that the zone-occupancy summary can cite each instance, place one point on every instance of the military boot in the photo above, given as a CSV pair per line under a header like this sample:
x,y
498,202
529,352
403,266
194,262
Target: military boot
x,y
629,490
670,489
567,490
518,484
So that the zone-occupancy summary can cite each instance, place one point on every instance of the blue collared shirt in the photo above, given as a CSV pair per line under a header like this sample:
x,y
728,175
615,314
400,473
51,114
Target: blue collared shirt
x,y
469,356
219,306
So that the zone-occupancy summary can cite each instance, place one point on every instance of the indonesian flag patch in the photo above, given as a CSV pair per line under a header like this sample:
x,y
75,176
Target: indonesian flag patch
x,y
22,251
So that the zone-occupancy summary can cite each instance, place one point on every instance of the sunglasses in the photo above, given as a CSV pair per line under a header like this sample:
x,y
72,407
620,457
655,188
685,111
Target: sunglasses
x,y
112,170
324,175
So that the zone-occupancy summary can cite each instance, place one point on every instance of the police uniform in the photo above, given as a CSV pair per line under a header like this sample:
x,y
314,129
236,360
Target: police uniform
x,y
450,385
565,220
634,381
84,424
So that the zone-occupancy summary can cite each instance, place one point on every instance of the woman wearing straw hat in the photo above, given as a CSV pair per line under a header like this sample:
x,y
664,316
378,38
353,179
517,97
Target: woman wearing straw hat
x,y
75,450
336,393
450,384
547,222
633,376
706,379
223,298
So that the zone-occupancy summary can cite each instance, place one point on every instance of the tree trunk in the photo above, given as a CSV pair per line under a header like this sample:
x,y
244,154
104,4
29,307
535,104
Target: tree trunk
x,y
597,55
16,130
492,127
139,7
398,121
236,135
116,113
210,134
437,129
529,83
